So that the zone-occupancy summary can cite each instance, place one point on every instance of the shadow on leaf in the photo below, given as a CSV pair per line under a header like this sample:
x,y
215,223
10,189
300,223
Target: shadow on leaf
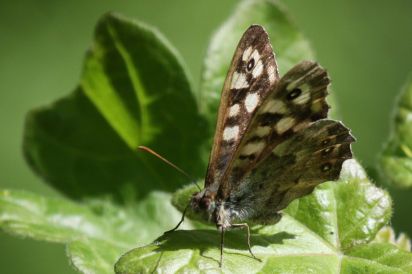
x,y
204,239
182,244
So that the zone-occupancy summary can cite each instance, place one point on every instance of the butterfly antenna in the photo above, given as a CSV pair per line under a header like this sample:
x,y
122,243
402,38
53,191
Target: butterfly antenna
x,y
146,149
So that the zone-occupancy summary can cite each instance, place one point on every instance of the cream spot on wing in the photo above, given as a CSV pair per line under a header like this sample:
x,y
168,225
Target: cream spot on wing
x,y
301,126
291,86
246,54
305,87
295,84
301,79
275,106
284,124
302,99
251,101
275,152
258,69
317,105
262,131
234,110
255,55
239,81
230,133
271,74
252,148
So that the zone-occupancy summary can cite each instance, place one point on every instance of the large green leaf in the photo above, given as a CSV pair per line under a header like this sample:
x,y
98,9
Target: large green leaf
x,y
289,44
396,158
96,234
326,232
133,91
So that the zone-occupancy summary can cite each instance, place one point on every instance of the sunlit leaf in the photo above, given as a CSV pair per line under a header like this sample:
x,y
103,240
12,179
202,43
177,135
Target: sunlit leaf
x,y
133,91
387,235
396,158
314,236
96,233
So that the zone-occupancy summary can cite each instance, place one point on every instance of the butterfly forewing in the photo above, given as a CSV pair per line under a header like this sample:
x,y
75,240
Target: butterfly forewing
x,y
252,74
296,100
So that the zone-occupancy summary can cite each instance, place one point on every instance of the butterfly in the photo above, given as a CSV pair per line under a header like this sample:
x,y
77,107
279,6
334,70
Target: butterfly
x,y
272,144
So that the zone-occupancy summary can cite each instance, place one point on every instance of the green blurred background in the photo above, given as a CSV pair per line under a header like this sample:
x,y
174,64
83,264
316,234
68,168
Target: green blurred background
x,y
365,45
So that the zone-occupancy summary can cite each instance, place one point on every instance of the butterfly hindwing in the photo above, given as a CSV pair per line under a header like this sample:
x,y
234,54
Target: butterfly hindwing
x,y
297,100
293,169
252,74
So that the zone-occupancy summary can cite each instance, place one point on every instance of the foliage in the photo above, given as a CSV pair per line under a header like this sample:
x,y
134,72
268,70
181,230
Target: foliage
x,y
85,144
134,90
396,158
343,218
96,232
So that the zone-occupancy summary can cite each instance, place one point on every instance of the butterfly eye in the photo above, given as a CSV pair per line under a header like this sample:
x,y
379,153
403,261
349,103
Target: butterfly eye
x,y
294,94
326,167
250,64
204,203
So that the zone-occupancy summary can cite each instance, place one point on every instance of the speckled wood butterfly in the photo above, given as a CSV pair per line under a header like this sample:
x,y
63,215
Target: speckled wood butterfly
x,y
272,143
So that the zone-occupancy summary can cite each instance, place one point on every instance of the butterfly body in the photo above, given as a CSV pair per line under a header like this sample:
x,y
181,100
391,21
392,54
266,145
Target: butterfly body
x,y
273,142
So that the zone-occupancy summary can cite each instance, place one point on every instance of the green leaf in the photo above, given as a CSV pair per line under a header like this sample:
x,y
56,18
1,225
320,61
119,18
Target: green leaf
x,y
133,91
377,258
289,44
93,256
317,234
387,235
396,158
96,233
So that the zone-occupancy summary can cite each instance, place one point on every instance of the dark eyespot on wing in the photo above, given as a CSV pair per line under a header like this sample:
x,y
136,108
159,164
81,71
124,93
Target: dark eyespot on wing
x,y
250,65
293,94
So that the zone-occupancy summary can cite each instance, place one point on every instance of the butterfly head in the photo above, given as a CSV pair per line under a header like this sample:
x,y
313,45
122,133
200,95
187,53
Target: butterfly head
x,y
204,202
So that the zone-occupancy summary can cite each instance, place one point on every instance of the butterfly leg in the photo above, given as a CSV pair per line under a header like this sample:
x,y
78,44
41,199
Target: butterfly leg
x,y
245,225
180,222
222,237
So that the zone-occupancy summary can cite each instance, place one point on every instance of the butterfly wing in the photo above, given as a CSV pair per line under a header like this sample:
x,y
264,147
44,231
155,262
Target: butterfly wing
x,y
293,169
297,100
252,74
